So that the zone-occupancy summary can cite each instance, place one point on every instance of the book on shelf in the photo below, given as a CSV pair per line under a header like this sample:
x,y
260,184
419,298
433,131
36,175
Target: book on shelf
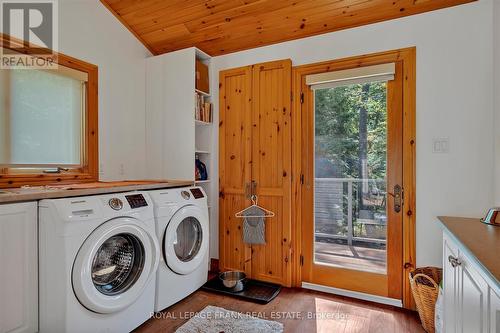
x,y
203,109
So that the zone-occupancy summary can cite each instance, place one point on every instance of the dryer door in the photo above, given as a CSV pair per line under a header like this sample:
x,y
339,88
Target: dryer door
x,y
114,265
185,242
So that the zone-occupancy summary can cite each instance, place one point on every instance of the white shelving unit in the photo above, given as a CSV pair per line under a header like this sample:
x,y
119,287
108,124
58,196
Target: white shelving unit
x,y
173,135
203,135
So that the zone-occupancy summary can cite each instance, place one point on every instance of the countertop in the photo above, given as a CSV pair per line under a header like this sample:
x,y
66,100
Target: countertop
x,y
12,195
482,241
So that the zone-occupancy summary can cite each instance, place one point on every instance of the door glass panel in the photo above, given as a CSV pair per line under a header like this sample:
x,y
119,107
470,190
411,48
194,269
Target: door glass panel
x,y
117,264
188,240
350,176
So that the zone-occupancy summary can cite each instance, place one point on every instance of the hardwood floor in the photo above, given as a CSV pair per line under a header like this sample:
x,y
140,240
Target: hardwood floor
x,y
333,313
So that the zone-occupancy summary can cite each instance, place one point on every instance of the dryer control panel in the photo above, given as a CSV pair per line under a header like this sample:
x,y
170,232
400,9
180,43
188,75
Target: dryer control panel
x,y
136,201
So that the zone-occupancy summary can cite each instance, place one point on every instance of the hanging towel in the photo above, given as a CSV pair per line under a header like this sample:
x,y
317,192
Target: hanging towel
x,y
254,228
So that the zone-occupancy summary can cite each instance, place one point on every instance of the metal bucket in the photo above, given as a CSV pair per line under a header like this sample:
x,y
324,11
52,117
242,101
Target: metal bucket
x,y
233,280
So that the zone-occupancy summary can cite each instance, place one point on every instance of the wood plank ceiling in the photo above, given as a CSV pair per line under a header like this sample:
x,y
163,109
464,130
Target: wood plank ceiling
x,y
224,26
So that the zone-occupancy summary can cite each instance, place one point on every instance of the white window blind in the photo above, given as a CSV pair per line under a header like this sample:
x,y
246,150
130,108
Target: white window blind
x,y
42,117
376,73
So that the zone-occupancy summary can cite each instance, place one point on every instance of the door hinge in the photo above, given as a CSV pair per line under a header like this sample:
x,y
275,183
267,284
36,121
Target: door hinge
x,y
301,98
301,179
301,260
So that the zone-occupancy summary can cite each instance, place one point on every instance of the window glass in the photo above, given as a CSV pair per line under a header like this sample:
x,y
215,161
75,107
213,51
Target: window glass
x,y
41,118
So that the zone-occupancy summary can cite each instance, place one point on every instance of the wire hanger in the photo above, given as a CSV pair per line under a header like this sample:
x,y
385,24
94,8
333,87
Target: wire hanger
x,y
266,213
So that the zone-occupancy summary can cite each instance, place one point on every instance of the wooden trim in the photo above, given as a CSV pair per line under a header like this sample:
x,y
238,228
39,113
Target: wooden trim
x,y
407,57
296,178
409,171
90,170
129,28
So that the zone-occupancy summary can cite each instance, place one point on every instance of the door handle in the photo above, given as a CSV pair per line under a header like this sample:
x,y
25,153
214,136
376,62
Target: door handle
x,y
398,197
454,261
250,189
254,188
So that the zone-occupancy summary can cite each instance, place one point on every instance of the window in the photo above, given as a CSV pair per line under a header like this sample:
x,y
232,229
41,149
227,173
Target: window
x,y
48,124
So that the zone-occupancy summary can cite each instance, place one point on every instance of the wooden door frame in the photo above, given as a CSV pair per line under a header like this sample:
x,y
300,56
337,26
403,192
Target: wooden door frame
x,y
407,57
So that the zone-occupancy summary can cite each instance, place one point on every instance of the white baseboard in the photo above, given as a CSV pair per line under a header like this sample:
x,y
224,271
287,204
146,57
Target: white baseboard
x,y
353,294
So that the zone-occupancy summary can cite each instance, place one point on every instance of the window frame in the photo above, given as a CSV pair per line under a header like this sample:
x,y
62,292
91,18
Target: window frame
x,y
88,171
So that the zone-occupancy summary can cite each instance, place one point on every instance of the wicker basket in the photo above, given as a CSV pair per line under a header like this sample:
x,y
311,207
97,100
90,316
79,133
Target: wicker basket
x,y
425,288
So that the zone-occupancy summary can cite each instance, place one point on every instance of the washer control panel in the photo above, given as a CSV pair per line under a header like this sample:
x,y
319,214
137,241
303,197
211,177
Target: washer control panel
x,y
197,193
136,201
185,195
115,203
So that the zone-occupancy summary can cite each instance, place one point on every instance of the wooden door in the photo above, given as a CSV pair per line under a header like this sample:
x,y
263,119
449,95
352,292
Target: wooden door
x,y
331,250
235,100
255,146
271,167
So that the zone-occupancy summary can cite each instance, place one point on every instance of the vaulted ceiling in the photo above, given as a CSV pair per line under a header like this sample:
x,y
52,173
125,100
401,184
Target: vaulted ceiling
x,y
224,26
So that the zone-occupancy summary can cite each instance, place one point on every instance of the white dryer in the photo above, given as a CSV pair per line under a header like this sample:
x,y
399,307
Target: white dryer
x,y
182,226
98,259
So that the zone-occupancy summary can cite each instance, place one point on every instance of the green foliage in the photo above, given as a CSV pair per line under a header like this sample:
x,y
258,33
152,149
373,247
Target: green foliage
x,y
337,128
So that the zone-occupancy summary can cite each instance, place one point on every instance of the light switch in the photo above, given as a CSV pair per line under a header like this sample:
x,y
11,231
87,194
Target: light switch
x,y
441,145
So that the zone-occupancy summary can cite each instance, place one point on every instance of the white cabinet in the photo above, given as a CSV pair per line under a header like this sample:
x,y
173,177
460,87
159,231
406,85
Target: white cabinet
x,y
494,313
470,302
173,135
473,298
18,268
170,110
450,286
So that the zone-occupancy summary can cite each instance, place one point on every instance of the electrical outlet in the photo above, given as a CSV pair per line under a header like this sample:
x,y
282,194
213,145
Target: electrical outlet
x,y
101,169
441,145
122,169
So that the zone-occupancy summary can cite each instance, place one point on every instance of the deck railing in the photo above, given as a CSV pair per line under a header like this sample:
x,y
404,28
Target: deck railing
x,y
339,199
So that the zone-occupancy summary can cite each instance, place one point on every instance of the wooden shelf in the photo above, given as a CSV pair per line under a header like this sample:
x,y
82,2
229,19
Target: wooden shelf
x,y
202,123
202,93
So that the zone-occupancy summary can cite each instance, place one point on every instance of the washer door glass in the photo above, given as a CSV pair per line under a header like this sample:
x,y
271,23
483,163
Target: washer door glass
x,y
185,241
114,265
117,264
189,239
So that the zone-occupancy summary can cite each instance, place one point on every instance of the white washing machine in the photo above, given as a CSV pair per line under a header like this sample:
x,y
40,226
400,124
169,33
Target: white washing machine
x,y
98,259
182,226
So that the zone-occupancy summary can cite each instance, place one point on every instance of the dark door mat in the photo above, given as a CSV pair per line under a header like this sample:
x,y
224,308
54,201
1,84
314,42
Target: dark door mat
x,y
256,291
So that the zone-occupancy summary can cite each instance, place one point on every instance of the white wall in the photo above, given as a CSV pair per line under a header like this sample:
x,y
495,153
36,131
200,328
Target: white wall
x,y
454,100
88,31
496,124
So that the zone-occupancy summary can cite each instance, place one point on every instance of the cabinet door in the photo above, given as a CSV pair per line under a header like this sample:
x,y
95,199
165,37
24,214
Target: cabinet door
x,y
18,268
473,298
271,167
494,312
450,286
